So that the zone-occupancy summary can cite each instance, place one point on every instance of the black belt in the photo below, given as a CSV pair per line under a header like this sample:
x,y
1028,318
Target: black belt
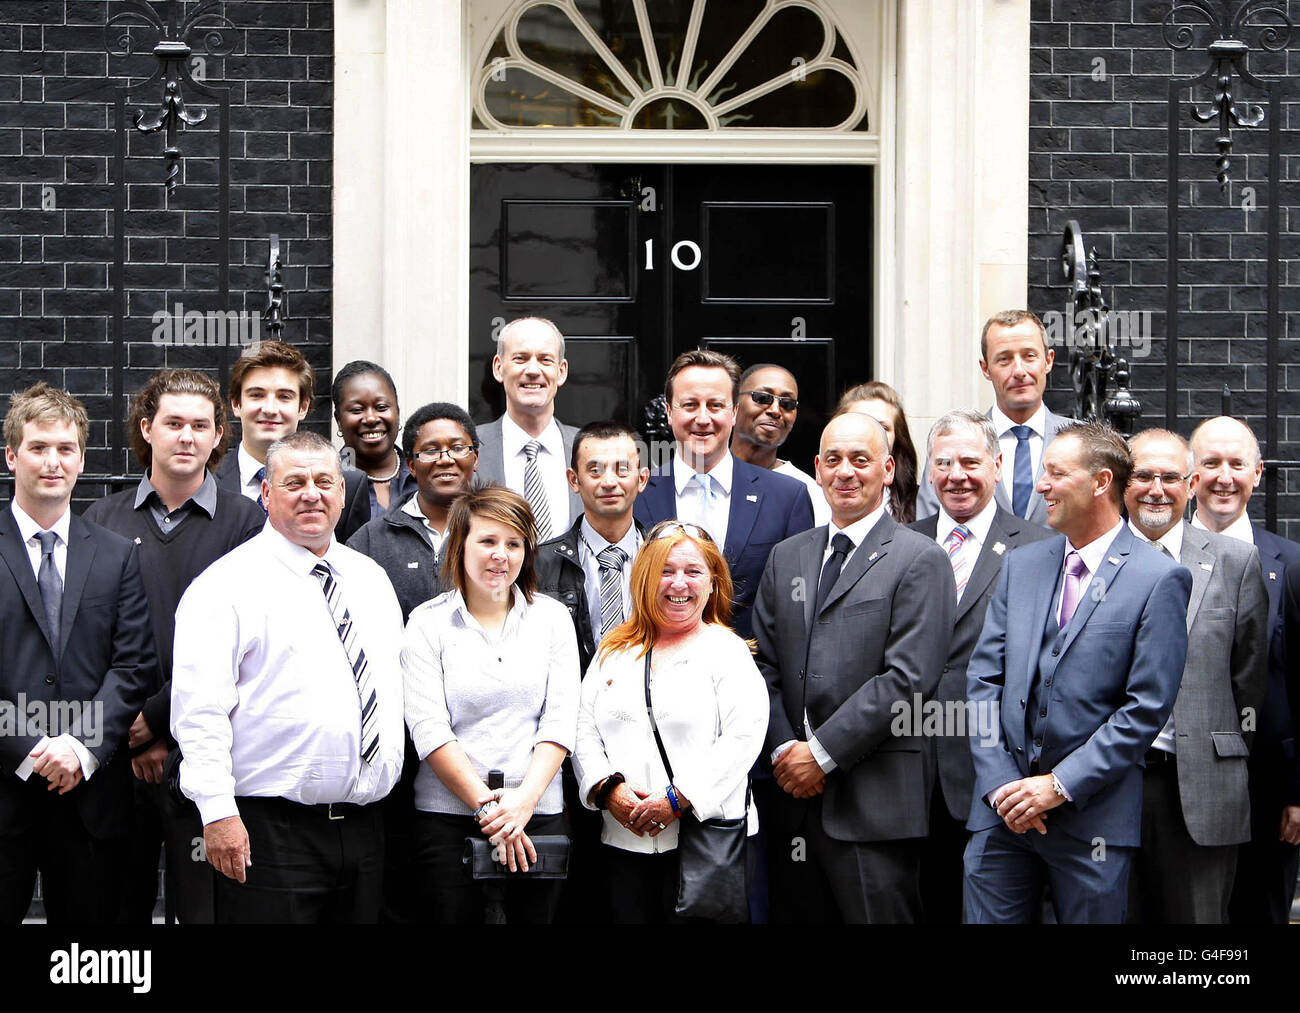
x,y
318,810
1155,757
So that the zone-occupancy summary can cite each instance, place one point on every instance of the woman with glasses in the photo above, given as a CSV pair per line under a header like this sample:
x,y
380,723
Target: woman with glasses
x,y
882,403
710,708
490,672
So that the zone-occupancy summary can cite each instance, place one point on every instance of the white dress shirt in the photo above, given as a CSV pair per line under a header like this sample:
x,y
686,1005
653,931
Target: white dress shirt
x,y
1008,442
498,695
711,707
856,533
264,701
821,508
590,545
28,529
978,526
250,485
692,505
1239,529
431,534
551,464
1172,540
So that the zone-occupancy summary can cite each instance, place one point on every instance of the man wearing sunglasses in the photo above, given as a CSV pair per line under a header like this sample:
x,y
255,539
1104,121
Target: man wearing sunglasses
x,y
765,417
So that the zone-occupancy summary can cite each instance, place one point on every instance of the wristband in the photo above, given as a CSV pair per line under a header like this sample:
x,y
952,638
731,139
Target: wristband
x,y
671,792
607,789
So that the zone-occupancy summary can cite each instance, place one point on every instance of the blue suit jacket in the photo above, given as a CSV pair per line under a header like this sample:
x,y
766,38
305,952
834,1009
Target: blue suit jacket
x,y
1107,695
766,508
1274,764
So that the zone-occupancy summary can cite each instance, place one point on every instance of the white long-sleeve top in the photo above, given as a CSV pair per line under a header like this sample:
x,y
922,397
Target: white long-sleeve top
x,y
264,701
497,695
711,706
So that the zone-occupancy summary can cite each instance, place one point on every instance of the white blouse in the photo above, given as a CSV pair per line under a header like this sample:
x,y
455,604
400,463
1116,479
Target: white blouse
x,y
711,706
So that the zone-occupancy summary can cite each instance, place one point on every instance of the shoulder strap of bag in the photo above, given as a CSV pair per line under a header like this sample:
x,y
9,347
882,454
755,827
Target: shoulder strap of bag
x,y
650,711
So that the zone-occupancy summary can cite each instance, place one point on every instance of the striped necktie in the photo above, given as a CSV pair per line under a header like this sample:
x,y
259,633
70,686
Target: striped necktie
x,y
356,658
535,491
610,560
259,475
956,544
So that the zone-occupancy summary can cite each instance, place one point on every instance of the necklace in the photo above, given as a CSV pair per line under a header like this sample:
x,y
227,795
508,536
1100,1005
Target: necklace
x,y
390,477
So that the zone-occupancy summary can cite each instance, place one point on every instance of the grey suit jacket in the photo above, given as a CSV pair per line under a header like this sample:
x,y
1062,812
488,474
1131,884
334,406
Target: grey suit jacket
x,y
492,465
927,503
1227,664
880,641
952,753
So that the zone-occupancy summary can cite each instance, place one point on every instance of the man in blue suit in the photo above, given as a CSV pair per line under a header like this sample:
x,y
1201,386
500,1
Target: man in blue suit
x,y
746,509
1082,667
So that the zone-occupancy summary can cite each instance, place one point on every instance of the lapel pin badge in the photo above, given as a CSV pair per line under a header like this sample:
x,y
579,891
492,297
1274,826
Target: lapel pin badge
x,y
1112,559
1206,566
752,498
413,566
138,542
1272,574
999,548
871,558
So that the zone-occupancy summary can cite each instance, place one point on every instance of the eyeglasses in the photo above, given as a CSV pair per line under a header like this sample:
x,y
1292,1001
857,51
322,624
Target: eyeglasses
x,y
431,455
762,398
1163,477
666,529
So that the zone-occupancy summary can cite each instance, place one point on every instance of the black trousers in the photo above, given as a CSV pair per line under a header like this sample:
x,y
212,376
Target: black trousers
x,y
584,898
447,894
942,868
81,875
1175,881
161,821
1265,884
818,880
642,888
308,868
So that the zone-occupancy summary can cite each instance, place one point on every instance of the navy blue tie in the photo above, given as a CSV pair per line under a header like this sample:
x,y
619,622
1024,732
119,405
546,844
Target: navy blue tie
x,y
1022,477
259,475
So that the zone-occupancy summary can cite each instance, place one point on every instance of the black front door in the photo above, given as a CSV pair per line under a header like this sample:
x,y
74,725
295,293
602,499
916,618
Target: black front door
x,y
636,264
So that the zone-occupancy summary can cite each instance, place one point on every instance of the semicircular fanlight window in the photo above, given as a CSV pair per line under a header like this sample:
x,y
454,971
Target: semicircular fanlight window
x,y
669,65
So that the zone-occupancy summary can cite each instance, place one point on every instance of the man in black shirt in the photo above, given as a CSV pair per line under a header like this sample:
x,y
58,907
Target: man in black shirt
x,y
181,522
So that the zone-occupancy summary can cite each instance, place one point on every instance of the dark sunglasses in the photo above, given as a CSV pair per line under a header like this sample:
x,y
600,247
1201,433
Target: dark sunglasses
x,y
762,398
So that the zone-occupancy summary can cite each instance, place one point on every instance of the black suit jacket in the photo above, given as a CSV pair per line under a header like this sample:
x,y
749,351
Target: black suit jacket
x,y
766,508
106,663
952,753
356,497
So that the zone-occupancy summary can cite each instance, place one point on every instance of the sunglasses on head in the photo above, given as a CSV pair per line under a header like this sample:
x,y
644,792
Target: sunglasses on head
x,y
666,529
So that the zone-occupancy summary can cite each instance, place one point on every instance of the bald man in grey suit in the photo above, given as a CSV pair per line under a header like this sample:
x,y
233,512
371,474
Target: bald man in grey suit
x,y
1195,806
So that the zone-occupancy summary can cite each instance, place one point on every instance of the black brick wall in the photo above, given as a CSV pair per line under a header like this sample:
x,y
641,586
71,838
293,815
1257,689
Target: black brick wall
x,y
1098,153
57,144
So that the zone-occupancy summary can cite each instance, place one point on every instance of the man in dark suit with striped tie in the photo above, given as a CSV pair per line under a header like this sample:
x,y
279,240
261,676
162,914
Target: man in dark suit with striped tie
x,y
588,569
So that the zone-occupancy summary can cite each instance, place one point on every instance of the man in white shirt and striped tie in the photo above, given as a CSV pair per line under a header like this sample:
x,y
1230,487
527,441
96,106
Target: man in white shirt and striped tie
x,y
527,449
287,705
963,463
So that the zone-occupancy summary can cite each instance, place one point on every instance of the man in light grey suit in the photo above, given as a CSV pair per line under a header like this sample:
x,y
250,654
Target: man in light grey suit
x,y
1014,357
1195,804
528,449
964,460
852,621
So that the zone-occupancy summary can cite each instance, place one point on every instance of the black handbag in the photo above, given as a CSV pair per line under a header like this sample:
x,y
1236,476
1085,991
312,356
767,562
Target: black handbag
x,y
711,883
552,859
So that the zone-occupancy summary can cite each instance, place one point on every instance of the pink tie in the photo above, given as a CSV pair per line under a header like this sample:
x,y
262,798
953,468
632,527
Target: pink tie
x,y
1074,571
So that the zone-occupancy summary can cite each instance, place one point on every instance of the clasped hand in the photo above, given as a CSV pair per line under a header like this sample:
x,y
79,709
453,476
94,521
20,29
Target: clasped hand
x,y
1025,803
503,825
798,772
59,764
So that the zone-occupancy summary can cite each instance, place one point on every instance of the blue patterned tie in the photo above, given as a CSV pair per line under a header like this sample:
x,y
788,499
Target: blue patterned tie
x,y
259,475
1022,477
